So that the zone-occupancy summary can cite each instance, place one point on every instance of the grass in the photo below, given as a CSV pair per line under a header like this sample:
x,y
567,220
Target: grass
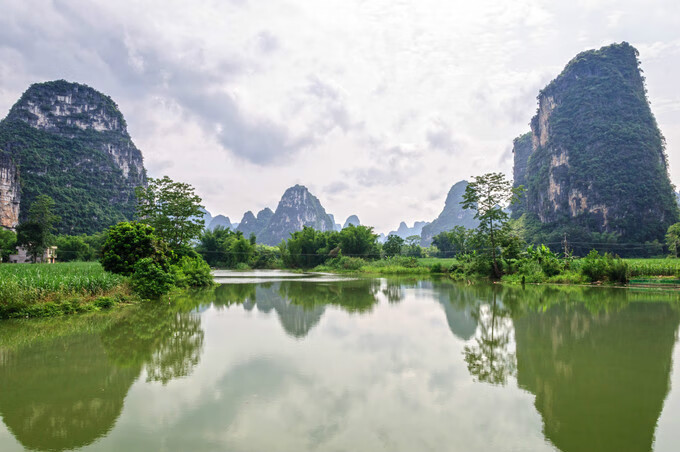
x,y
48,290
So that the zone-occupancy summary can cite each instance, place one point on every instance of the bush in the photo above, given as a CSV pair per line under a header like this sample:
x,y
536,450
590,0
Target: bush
x,y
192,272
347,263
103,302
606,267
149,279
128,242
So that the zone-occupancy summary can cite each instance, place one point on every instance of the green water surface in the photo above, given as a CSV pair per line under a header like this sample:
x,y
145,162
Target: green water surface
x,y
326,364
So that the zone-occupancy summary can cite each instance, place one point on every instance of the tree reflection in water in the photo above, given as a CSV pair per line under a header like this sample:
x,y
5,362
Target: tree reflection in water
x,y
66,391
492,359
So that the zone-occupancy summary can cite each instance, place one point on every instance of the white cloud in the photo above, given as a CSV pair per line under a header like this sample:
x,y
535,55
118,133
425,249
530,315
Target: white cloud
x,y
375,104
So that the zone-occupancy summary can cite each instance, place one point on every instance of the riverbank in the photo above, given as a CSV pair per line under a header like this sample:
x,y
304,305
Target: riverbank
x,y
654,272
42,290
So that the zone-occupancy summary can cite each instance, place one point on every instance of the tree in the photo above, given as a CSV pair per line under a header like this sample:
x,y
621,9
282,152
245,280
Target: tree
x,y
413,246
127,243
358,241
36,233
8,243
489,195
392,246
673,239
458,240
223,247
173,210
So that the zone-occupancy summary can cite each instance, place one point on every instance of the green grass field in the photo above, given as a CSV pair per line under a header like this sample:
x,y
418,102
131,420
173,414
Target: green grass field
x,y
37,290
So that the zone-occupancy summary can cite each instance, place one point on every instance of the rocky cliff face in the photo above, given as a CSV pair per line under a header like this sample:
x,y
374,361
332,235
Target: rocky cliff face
x,y
10,193
71,143
297,208
452,215
597,159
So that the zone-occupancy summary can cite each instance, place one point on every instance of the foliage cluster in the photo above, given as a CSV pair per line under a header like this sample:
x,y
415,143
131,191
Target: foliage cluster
x,y
309,248
225,248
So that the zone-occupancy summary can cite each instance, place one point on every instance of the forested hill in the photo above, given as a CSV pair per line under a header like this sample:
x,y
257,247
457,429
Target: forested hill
x,y
70,142
597,162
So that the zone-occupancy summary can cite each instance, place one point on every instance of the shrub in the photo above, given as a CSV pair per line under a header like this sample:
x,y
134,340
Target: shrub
x,y
192,272
348,263
598,268
149,279
128,242
103,302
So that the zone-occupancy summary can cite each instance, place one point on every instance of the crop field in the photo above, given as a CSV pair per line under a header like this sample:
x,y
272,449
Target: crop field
x,y
653,267
42,285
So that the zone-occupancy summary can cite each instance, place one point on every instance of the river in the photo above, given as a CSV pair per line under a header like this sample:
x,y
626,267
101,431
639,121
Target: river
x,y
292,362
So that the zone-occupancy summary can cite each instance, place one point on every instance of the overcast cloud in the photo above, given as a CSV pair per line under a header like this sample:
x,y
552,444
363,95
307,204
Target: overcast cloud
x,y
377,106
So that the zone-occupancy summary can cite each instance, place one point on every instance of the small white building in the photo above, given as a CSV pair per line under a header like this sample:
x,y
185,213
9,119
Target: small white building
x,y
49,257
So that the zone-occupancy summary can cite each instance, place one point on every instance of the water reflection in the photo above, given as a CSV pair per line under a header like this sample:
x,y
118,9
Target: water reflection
x,y
65,391
584,368
598,362
491,358
300,305
600,380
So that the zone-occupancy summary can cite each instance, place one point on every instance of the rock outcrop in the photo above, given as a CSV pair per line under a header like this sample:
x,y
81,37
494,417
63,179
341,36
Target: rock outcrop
x,y
71,142
10,193
297,208
598,162
452,215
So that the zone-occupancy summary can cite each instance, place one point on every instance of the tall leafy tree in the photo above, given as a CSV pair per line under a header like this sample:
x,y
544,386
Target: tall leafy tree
x,y
392,246
488,195
673,239
173,209
8,242
36,233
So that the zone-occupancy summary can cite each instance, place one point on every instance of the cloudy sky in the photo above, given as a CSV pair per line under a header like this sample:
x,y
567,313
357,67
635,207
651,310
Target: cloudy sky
x,y
377,106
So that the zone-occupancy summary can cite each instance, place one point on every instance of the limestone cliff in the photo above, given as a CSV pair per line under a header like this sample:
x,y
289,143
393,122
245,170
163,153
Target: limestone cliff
x,y
10,193
297,208
71,143
598,162
452,215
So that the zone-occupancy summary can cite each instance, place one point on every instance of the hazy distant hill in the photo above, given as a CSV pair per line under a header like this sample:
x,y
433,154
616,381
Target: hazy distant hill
x,y
220,220
404,231
352,219
452,215
250,224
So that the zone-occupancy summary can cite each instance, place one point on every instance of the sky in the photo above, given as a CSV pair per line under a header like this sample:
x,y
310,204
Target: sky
x,y
378,107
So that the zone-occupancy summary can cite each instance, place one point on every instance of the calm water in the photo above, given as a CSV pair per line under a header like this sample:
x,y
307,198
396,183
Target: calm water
x,y
324,364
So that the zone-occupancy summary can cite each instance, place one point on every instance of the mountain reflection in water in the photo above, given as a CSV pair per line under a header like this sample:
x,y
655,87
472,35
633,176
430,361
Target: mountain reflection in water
x,y
595,362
